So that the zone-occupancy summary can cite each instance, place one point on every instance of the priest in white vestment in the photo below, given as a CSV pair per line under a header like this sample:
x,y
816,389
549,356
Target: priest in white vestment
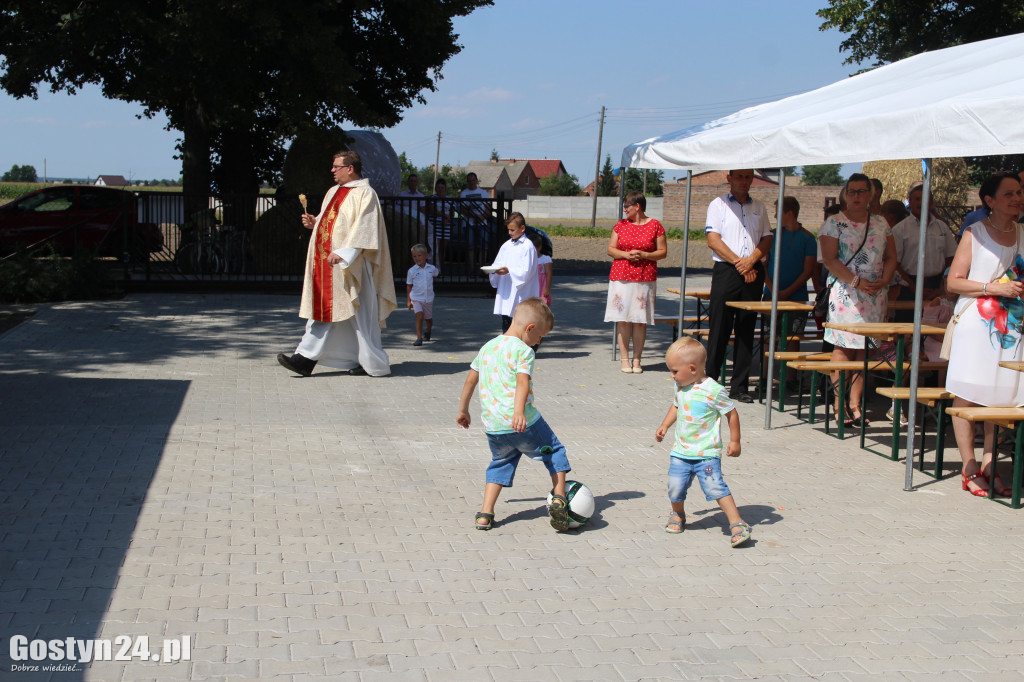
x,y
349,289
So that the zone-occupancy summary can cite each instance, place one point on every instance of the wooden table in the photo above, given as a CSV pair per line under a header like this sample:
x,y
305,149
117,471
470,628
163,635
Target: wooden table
x,y
1005,417
885,331
765,308
702,296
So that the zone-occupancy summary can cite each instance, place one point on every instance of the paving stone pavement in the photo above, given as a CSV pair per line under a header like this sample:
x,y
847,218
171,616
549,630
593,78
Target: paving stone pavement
x,y
162,476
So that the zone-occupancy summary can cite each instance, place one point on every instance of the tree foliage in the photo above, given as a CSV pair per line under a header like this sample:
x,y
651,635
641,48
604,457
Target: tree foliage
x,y
825,175
20,174
237,78
635,182
555,185
883,31
453,176
606,183
980,167
407,167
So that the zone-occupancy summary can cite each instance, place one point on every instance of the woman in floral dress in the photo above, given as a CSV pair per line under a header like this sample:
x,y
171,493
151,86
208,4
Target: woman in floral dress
x,y
857,236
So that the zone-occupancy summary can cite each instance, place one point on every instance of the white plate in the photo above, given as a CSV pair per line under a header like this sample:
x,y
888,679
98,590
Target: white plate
x,y
490,268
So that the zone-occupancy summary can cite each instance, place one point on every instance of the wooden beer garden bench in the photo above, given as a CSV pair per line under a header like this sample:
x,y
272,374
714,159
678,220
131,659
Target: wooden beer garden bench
x,y
1006,418
937,400
844,367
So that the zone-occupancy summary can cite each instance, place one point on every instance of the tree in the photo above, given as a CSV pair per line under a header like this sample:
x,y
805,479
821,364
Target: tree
x,y
635,182
606,183
980,167
454,178
889,30
407,168
237,79
20,174
494,155
555,185
826,174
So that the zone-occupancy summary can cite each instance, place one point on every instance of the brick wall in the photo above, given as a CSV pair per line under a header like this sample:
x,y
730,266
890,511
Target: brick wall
x,y
812,202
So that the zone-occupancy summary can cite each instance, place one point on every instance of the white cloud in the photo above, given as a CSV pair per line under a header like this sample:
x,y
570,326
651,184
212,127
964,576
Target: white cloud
x,y
490,95
444,112
28,120
527,124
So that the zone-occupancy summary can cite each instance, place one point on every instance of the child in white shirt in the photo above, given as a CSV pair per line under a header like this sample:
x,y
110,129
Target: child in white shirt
x,y
419,292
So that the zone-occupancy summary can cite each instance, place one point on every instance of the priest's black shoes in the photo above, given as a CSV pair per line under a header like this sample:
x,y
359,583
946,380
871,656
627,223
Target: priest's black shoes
x,y
296,363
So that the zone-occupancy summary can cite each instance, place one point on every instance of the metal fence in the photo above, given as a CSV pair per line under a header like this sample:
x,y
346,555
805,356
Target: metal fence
x,y
259,242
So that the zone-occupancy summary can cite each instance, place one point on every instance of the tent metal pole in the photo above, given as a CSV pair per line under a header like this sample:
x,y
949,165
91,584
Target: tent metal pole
x,y
686,244
622,192
777,243
915,346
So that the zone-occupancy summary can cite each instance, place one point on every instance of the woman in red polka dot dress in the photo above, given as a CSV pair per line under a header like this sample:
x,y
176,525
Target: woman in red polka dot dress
x,y
637,244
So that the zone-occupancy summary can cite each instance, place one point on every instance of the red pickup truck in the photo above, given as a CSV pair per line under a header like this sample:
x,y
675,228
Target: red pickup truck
x,y
74,217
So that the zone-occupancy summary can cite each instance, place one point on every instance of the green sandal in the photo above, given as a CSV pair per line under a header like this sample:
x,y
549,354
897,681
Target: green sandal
x,y
676,520
741,535
558,510
488,521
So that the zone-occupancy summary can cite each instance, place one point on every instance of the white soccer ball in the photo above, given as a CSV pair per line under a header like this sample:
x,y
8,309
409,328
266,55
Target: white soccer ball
x,y
581,503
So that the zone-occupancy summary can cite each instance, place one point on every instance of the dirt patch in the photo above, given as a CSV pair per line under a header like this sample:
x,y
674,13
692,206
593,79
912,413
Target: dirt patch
x,y
589,256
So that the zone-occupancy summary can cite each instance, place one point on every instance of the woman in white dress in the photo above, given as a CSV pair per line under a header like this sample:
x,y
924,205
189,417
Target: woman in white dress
x,y
988,330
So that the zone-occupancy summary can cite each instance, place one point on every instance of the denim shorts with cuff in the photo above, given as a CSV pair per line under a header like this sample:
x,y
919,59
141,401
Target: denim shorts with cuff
x,y
537,442
708,471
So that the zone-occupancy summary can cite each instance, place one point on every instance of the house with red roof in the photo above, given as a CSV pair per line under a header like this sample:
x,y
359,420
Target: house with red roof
x,y
524,174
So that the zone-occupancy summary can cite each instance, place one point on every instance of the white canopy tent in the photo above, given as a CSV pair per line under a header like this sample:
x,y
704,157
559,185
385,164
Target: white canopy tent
x,y
966,100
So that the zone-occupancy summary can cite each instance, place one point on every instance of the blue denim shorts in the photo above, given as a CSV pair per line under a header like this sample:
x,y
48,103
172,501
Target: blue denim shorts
x,y
708,472
537,442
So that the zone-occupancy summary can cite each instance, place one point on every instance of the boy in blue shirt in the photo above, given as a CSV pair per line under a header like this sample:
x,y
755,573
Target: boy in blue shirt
x,y
514,427
799,255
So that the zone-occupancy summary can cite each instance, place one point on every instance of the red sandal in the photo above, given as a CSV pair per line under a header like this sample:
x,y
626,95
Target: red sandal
x,y
968,479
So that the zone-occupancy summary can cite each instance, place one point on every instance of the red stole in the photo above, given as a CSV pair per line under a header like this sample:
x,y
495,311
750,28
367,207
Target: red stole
x,y
323,272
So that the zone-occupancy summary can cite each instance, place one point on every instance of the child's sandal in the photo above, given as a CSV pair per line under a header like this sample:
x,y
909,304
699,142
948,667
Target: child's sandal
x,y
558,510
676,524
487,519
740,536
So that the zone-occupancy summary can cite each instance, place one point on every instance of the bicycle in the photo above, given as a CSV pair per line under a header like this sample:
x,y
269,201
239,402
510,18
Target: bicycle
x,y
199,253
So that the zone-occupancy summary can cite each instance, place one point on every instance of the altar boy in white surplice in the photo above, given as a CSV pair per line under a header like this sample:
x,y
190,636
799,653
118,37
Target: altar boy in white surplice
x,y
349,289
516,279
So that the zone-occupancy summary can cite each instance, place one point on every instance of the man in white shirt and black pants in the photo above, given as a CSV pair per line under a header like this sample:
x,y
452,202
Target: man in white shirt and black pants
x,y
739,236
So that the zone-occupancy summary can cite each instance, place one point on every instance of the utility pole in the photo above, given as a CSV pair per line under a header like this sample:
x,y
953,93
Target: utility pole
x,y
597,170
437,158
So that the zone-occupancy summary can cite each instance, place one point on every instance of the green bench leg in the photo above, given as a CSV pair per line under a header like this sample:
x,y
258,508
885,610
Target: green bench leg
x,y
841,419
895,454
1018,467
814,398
940,436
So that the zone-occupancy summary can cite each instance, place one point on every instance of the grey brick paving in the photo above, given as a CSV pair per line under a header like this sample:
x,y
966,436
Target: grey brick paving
x,y
161,475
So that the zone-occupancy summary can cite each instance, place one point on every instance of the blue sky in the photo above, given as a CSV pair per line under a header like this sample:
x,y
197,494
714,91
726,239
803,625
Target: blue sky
x,y
529,82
